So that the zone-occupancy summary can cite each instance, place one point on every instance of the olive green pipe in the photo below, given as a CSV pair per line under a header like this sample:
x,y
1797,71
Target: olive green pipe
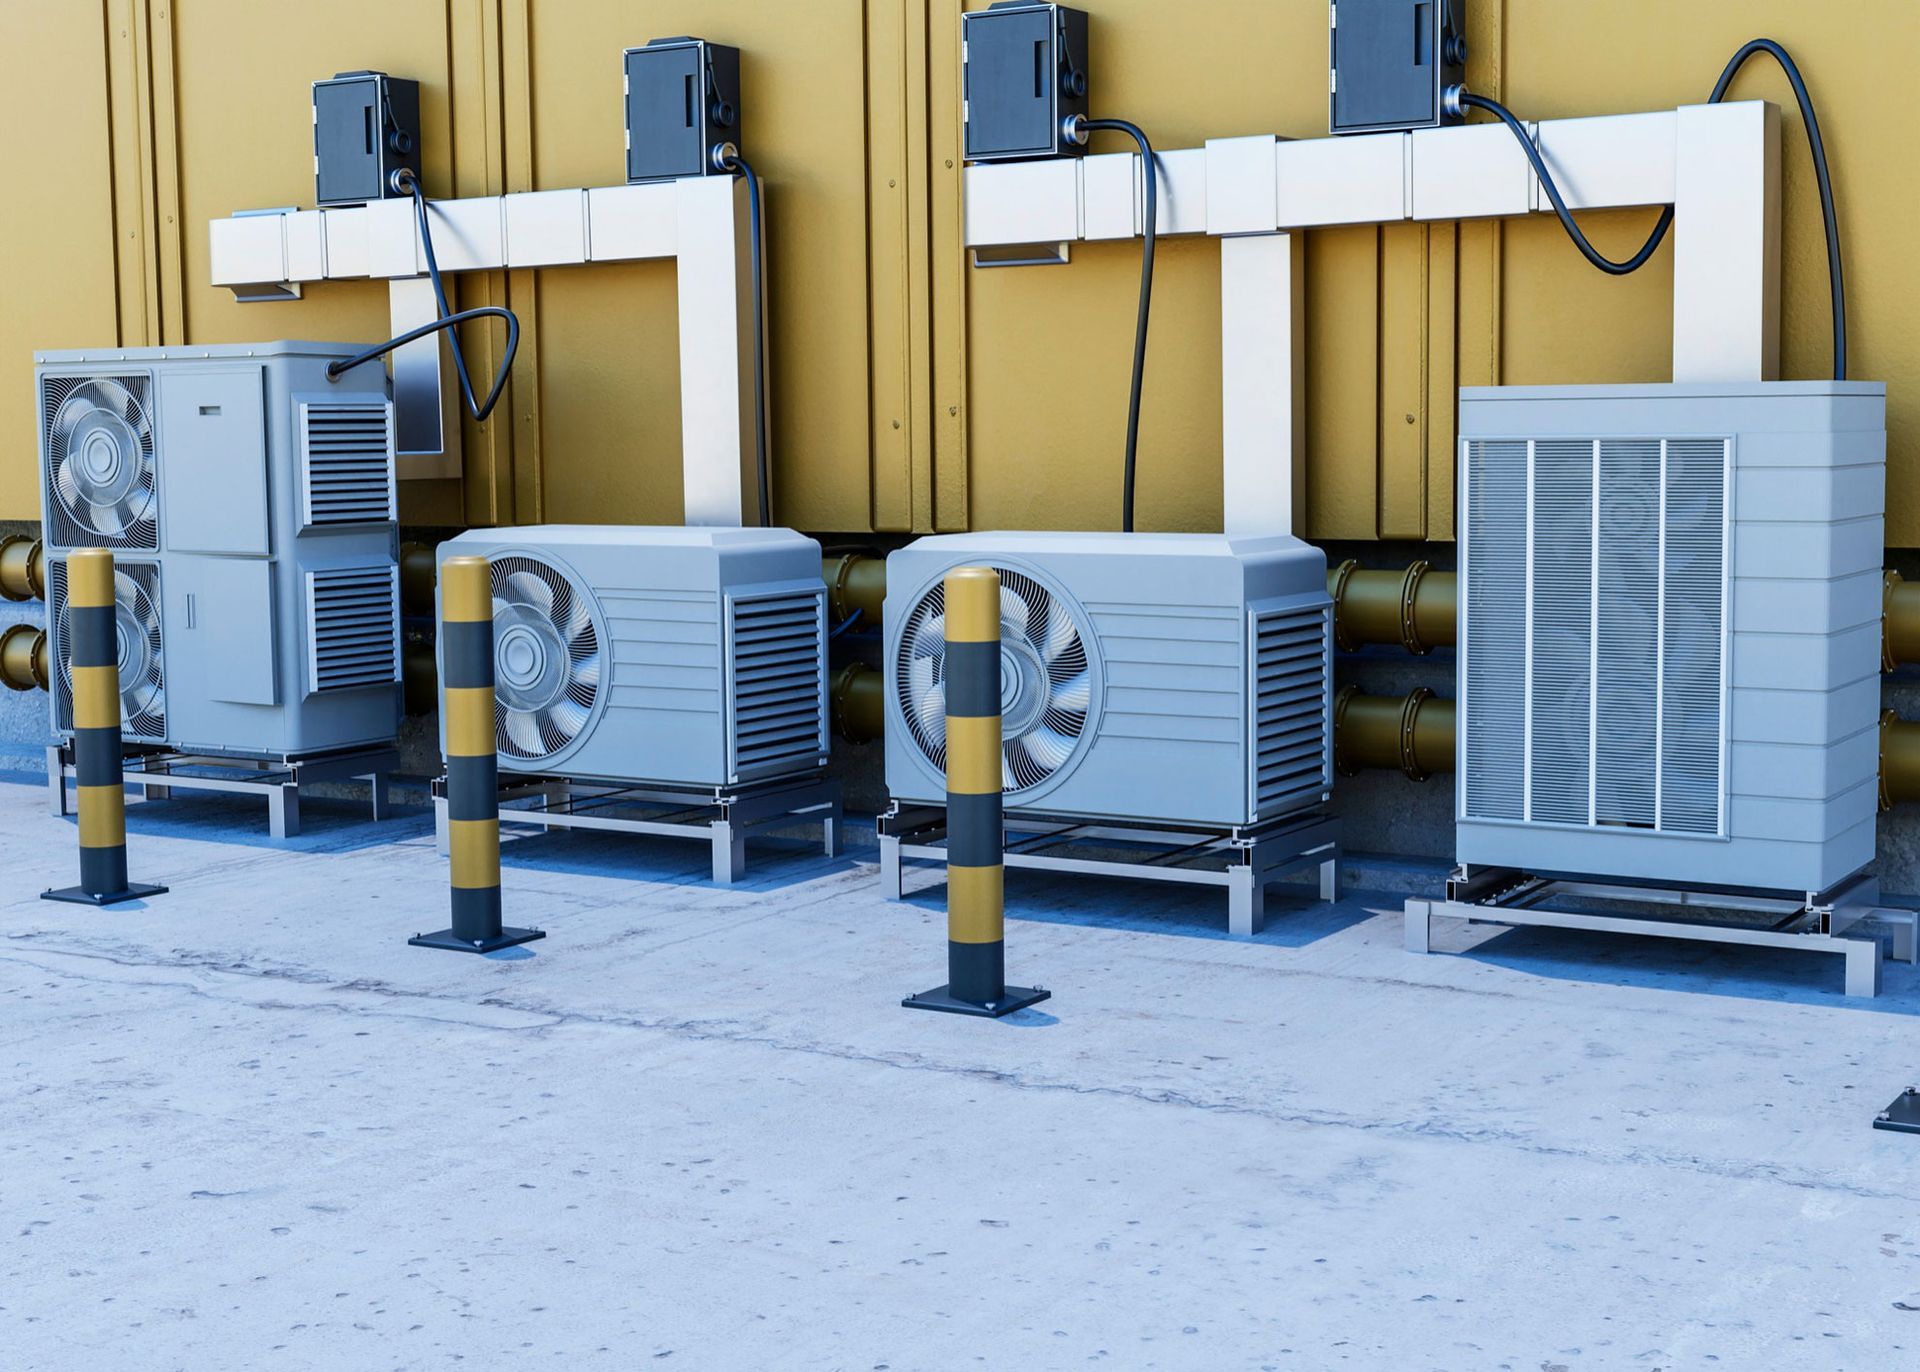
x,y
1899,760
23,658
1415,608
1412,733
416,578
855,581
859,703
419,678
23,568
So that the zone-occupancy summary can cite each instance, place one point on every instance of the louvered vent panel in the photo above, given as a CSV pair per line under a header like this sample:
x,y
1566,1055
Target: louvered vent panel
x,y
346,463
1291,765
1692,630
1628,648
353,628
1560,728
1595,632
1496,618
777,678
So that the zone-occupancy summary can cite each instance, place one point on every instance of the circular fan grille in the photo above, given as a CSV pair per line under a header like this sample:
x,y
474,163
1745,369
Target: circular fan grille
x,y
100,460
136,629
1046,690
546,659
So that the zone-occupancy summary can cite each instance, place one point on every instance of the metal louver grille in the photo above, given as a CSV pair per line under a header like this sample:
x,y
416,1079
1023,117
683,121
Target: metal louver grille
x,y
1595,633
353,618
99,473
143,688
1291,664
776,670
346,463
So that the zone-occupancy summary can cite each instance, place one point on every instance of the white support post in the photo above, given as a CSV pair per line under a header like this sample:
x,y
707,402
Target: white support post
x,y
1262,430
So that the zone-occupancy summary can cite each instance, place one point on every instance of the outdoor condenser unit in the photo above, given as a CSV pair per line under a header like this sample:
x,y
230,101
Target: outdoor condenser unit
x,y
249,505
673,656
1172,678
1670,641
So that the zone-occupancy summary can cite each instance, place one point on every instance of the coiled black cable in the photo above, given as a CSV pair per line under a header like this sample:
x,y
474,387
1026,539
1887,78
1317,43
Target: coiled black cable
x,y
1836,283
729,159
447,320
1146,304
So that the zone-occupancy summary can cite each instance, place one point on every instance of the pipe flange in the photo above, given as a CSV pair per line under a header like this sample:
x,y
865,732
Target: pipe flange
x,y
1409,592
1889,579
1340,700
1409,717
1342,574
1887,720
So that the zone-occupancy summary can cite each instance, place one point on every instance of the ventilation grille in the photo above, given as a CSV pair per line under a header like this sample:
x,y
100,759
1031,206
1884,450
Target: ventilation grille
x,y
99,465
1595,637
346,463
776,667
1291,763
143,687
353,618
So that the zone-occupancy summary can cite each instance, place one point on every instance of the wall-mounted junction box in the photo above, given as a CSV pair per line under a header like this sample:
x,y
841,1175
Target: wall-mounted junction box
x,y
683,99
1392,62
366,125
1023,76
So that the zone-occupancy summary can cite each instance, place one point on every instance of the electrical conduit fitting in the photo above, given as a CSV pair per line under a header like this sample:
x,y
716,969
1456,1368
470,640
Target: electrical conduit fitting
x,y
1414,733
23,658
23,574
1417,608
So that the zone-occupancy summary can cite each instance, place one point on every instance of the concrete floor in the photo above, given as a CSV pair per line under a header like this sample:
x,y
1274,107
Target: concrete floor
x,y
245,1126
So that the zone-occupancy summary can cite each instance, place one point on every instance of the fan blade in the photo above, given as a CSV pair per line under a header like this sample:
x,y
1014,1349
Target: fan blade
x,y
1074,693
1047,748
1014,611
584,669
931,639
529,588
929,699
567,717
524,730
1060,636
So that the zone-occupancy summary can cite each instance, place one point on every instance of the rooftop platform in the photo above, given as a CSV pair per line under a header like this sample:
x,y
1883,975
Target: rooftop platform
x,y
246,1126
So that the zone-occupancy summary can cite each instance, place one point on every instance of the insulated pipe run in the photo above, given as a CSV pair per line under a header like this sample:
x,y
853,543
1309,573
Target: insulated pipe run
x,y
1416,608
856,583
23,568
1413,733
23,658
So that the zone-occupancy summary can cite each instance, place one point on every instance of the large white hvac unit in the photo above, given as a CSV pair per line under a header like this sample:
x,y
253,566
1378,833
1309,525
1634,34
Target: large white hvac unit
x,y
692,657
1155,678
1669,664
249,505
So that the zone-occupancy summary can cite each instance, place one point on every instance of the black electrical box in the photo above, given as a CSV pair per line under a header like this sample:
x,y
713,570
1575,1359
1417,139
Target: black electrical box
x,y
1394,62
366,125
683,100
1023,77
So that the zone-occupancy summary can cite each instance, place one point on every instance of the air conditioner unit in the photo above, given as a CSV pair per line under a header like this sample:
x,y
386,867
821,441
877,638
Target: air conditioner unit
x,y
249,503
1170,678
1669,665
668,656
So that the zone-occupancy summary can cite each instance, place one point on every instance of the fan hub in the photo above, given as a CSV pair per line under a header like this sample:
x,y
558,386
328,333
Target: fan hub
x,y
528,659
1023,684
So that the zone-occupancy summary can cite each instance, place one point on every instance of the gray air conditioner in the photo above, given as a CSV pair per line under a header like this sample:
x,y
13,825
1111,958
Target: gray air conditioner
x,y
1670,642
249,505
1171,678
685,657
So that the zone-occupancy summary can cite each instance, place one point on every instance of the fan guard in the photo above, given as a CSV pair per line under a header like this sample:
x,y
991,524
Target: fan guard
x,y
137,644
546,658
100,463
1046,684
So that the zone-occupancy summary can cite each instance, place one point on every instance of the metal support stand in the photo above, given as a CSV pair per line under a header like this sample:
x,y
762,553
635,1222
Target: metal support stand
x,y
1256,856
1903,1116
278,781
1818,922
723,816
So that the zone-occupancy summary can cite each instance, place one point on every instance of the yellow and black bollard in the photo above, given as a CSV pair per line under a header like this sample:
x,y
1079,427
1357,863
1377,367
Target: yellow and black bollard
x,y
93,656
473,777
976,837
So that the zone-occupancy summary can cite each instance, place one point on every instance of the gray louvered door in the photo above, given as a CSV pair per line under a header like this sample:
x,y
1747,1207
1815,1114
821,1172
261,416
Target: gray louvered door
x,y
1594,636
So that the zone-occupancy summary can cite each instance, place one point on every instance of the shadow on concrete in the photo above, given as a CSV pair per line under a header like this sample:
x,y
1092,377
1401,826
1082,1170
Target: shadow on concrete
x,y
326,825
774,861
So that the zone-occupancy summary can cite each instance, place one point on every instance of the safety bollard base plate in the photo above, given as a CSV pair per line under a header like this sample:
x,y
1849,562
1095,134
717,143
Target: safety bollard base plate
x,y
74,895
446,938
1903,1116
1011,998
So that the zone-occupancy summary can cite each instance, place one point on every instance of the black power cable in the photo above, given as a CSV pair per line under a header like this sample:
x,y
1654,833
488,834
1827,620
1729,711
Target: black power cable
x,y
728,158
1146,302
1836,284
404,180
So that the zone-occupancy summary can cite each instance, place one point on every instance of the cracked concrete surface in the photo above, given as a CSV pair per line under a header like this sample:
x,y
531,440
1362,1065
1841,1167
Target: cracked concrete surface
x,y
245,1126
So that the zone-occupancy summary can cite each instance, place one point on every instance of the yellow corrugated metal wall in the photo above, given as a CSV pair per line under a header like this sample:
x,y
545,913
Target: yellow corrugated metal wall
x,y
910,391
